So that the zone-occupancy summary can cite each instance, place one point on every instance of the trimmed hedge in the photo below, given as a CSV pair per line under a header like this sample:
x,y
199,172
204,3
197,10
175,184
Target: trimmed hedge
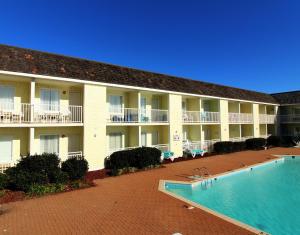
x,y
139,158
287,141
223,147
36,169
229,147
273,141
239,146
3,181
255,143
75,168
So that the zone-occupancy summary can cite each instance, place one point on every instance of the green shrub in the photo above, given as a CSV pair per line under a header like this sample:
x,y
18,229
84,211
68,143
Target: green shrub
x,y
229,146
39,190
239,146
35,170
138,158
223,147
273,141
287,141
75,168
256,143
3,181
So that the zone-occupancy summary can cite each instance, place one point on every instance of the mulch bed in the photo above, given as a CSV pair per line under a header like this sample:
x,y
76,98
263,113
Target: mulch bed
x,y
11,196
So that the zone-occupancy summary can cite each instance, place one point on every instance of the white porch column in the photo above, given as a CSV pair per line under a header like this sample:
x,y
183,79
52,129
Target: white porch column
x,y
32,98
255,110
224,120
32,147
175,130
139,108
277,121
140,136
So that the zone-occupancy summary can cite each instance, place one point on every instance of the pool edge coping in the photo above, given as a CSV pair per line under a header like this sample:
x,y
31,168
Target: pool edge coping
x,y
161,188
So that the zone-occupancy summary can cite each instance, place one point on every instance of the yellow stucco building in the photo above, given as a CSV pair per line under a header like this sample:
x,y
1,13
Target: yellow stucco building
x,y
74,107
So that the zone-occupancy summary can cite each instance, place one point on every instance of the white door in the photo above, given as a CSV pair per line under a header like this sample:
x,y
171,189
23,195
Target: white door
x,y
6,149
115,104
143,109
49,99
75,98
7,94
49,144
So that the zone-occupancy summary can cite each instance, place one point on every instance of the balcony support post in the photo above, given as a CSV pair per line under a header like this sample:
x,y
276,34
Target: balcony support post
x,y
224,127
139,106
32,98
32,149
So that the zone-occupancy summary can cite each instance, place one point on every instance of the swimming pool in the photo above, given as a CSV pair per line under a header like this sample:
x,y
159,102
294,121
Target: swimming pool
x,y
266,197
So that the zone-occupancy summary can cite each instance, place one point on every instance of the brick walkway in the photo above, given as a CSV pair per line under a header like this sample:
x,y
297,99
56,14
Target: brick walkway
x,y
129,204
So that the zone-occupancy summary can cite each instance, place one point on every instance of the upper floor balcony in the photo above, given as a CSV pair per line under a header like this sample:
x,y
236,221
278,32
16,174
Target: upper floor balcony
x,y
240,113
23,113
267,118
290,118
131,106
135,115
200,117
267,114
29,101
195,110
240,118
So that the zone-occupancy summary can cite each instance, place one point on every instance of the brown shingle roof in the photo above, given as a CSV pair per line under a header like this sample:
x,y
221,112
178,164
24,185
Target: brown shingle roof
x,y
30,61
291,97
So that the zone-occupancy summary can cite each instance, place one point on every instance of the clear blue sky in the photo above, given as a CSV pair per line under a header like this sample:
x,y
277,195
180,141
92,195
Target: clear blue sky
x,y
252,44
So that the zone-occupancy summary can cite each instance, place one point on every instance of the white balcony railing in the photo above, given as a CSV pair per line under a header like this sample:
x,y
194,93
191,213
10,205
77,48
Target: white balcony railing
x,y
29,113
162,147
206,145
238,139
267,118
77,154
191,116
240,118
290,118
134,115
212,117
15,113
197,116
57,113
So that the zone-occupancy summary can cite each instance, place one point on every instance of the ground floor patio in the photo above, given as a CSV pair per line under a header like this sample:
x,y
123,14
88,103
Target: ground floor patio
x,y
129,204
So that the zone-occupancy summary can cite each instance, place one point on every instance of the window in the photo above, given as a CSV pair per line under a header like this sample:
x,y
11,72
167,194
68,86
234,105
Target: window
x,y
155,138
144,139
115,141
6,149
115,104
49,99
7,97
49,144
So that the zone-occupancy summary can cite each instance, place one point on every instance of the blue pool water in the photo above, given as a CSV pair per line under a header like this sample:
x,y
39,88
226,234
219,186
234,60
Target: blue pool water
x,y
266,198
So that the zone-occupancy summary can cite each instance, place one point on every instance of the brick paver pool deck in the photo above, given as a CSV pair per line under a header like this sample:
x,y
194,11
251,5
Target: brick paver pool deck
x,y
129,204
